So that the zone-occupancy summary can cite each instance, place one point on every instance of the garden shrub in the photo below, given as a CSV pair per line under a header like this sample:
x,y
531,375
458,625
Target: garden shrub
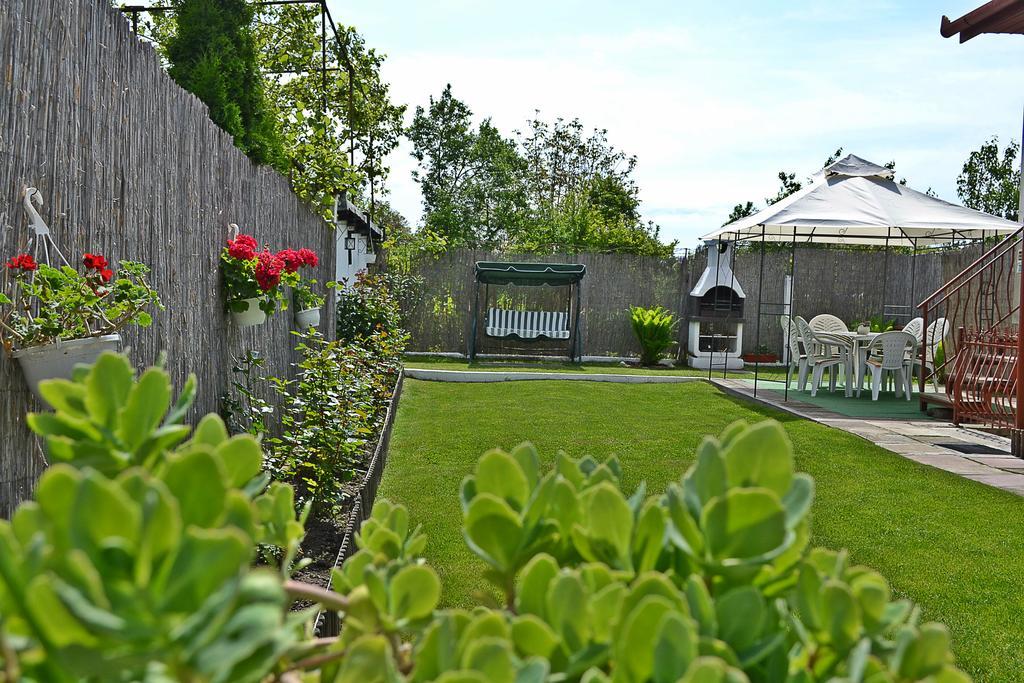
x,y
369,306
328,418
133,563
655,330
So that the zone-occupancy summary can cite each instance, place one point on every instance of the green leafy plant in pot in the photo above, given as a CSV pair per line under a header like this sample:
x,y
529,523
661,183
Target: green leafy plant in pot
x,y
307,302
56,317
655,330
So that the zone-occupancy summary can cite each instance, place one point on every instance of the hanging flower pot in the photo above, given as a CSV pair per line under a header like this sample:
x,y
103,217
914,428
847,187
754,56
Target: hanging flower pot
x,y
307,318
57,318
58,360
247,312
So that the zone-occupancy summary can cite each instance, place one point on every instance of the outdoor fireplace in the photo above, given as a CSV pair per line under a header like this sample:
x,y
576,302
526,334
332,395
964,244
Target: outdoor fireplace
x,y
716,314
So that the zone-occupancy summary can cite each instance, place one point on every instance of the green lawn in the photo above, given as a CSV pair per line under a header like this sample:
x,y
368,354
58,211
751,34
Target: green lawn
x,y
954,546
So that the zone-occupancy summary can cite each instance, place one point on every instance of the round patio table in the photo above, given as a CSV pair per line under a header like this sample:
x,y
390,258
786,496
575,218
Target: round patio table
x,y
859,343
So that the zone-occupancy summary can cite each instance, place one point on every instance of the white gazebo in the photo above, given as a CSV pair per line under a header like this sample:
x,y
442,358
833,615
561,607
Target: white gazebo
x,y
856,202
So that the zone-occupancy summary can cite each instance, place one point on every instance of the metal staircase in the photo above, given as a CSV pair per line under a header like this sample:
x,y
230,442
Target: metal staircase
x,y
983,383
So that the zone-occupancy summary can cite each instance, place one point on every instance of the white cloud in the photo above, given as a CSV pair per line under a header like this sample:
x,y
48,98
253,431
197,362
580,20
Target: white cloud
x,y
712,120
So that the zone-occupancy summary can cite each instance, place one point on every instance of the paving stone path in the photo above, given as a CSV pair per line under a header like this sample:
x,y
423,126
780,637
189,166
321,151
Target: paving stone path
x,y
927,441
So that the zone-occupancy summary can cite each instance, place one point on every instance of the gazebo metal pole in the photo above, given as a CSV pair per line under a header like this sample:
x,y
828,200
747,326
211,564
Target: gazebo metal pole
x,y
760,297
792,312
913,277
885,272
732,293
711,358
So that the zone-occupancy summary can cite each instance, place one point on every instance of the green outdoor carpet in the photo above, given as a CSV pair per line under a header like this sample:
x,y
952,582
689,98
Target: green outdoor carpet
x,y
887,405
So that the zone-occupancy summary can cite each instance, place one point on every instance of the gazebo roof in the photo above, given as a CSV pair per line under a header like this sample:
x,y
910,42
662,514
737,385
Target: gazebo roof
x,y
854,201
529,274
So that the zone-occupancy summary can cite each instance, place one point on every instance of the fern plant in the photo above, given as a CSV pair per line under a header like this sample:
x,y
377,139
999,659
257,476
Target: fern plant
x,y
655,330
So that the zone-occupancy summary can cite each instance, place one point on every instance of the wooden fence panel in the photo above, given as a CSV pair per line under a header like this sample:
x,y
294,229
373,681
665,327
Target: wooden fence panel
x,y
130,166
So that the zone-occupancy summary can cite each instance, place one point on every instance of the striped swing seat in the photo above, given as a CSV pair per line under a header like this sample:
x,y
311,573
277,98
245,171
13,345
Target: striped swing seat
x,y
527,324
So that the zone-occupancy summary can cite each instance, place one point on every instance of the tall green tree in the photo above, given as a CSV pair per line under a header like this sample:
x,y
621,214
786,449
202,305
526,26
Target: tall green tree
x,y
212,53
990,179
471,177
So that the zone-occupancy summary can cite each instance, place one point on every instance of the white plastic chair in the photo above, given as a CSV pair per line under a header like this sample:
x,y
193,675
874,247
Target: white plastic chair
x,y
887,353
825,352
825,322
797,358
916,328
938,331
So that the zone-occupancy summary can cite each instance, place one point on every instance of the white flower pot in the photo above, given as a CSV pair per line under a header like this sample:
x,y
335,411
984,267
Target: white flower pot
x,y
252,316
307,318
864,329
58,361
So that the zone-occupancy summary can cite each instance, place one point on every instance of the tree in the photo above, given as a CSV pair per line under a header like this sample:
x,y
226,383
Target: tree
x,y
338,127
472,179
990,179
213,54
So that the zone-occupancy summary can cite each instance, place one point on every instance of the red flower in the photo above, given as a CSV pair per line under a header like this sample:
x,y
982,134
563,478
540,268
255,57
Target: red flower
x,y
292,259
268,270
106,274
243,247
308,257
94,262
23,262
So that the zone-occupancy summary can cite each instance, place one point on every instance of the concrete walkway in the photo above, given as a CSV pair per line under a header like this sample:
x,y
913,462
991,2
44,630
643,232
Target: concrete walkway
x,y
930,442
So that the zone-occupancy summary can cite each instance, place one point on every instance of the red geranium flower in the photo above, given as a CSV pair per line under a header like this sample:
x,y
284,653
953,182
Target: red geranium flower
x,y
23,262
308,257
243,247
94,262
268,270
106,274
292,259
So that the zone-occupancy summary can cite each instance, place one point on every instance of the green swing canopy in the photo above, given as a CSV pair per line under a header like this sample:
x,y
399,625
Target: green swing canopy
x,y
529,274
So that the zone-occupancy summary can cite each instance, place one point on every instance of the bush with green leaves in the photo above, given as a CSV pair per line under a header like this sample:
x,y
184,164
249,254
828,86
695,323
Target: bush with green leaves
x,y
134,563
133,560
319,437
655,329
711,581
368,307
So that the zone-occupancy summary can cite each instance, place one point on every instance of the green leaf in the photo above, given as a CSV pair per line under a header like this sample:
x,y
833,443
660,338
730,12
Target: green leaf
x,y
197,480
241,458
927,653
533,637
147,402
567,611
744,523
532,584
414,592
741,613
369,660
675,646
606,529
107,386
499,474
492,657
493,531
797,500
210,431
633,647
840,615
760,456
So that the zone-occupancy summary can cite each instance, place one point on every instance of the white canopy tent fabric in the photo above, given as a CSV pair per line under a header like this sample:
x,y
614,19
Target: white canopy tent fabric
x,y
854,201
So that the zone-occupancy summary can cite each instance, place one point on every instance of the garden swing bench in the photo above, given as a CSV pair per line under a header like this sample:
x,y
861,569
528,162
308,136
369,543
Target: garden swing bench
x,y
530,325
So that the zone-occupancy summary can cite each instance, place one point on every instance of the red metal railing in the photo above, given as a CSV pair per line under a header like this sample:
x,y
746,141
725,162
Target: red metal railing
x,y
981,308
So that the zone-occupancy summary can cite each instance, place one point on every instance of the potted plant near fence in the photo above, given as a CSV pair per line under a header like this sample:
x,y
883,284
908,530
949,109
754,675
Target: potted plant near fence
x,y
252,280
307,302
760,354
57,317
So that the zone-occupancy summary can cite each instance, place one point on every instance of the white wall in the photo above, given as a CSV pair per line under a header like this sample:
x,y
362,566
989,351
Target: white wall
x,y
361,256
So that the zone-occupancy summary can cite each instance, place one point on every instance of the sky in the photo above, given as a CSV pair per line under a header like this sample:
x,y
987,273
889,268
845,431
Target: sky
x,y
713,98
